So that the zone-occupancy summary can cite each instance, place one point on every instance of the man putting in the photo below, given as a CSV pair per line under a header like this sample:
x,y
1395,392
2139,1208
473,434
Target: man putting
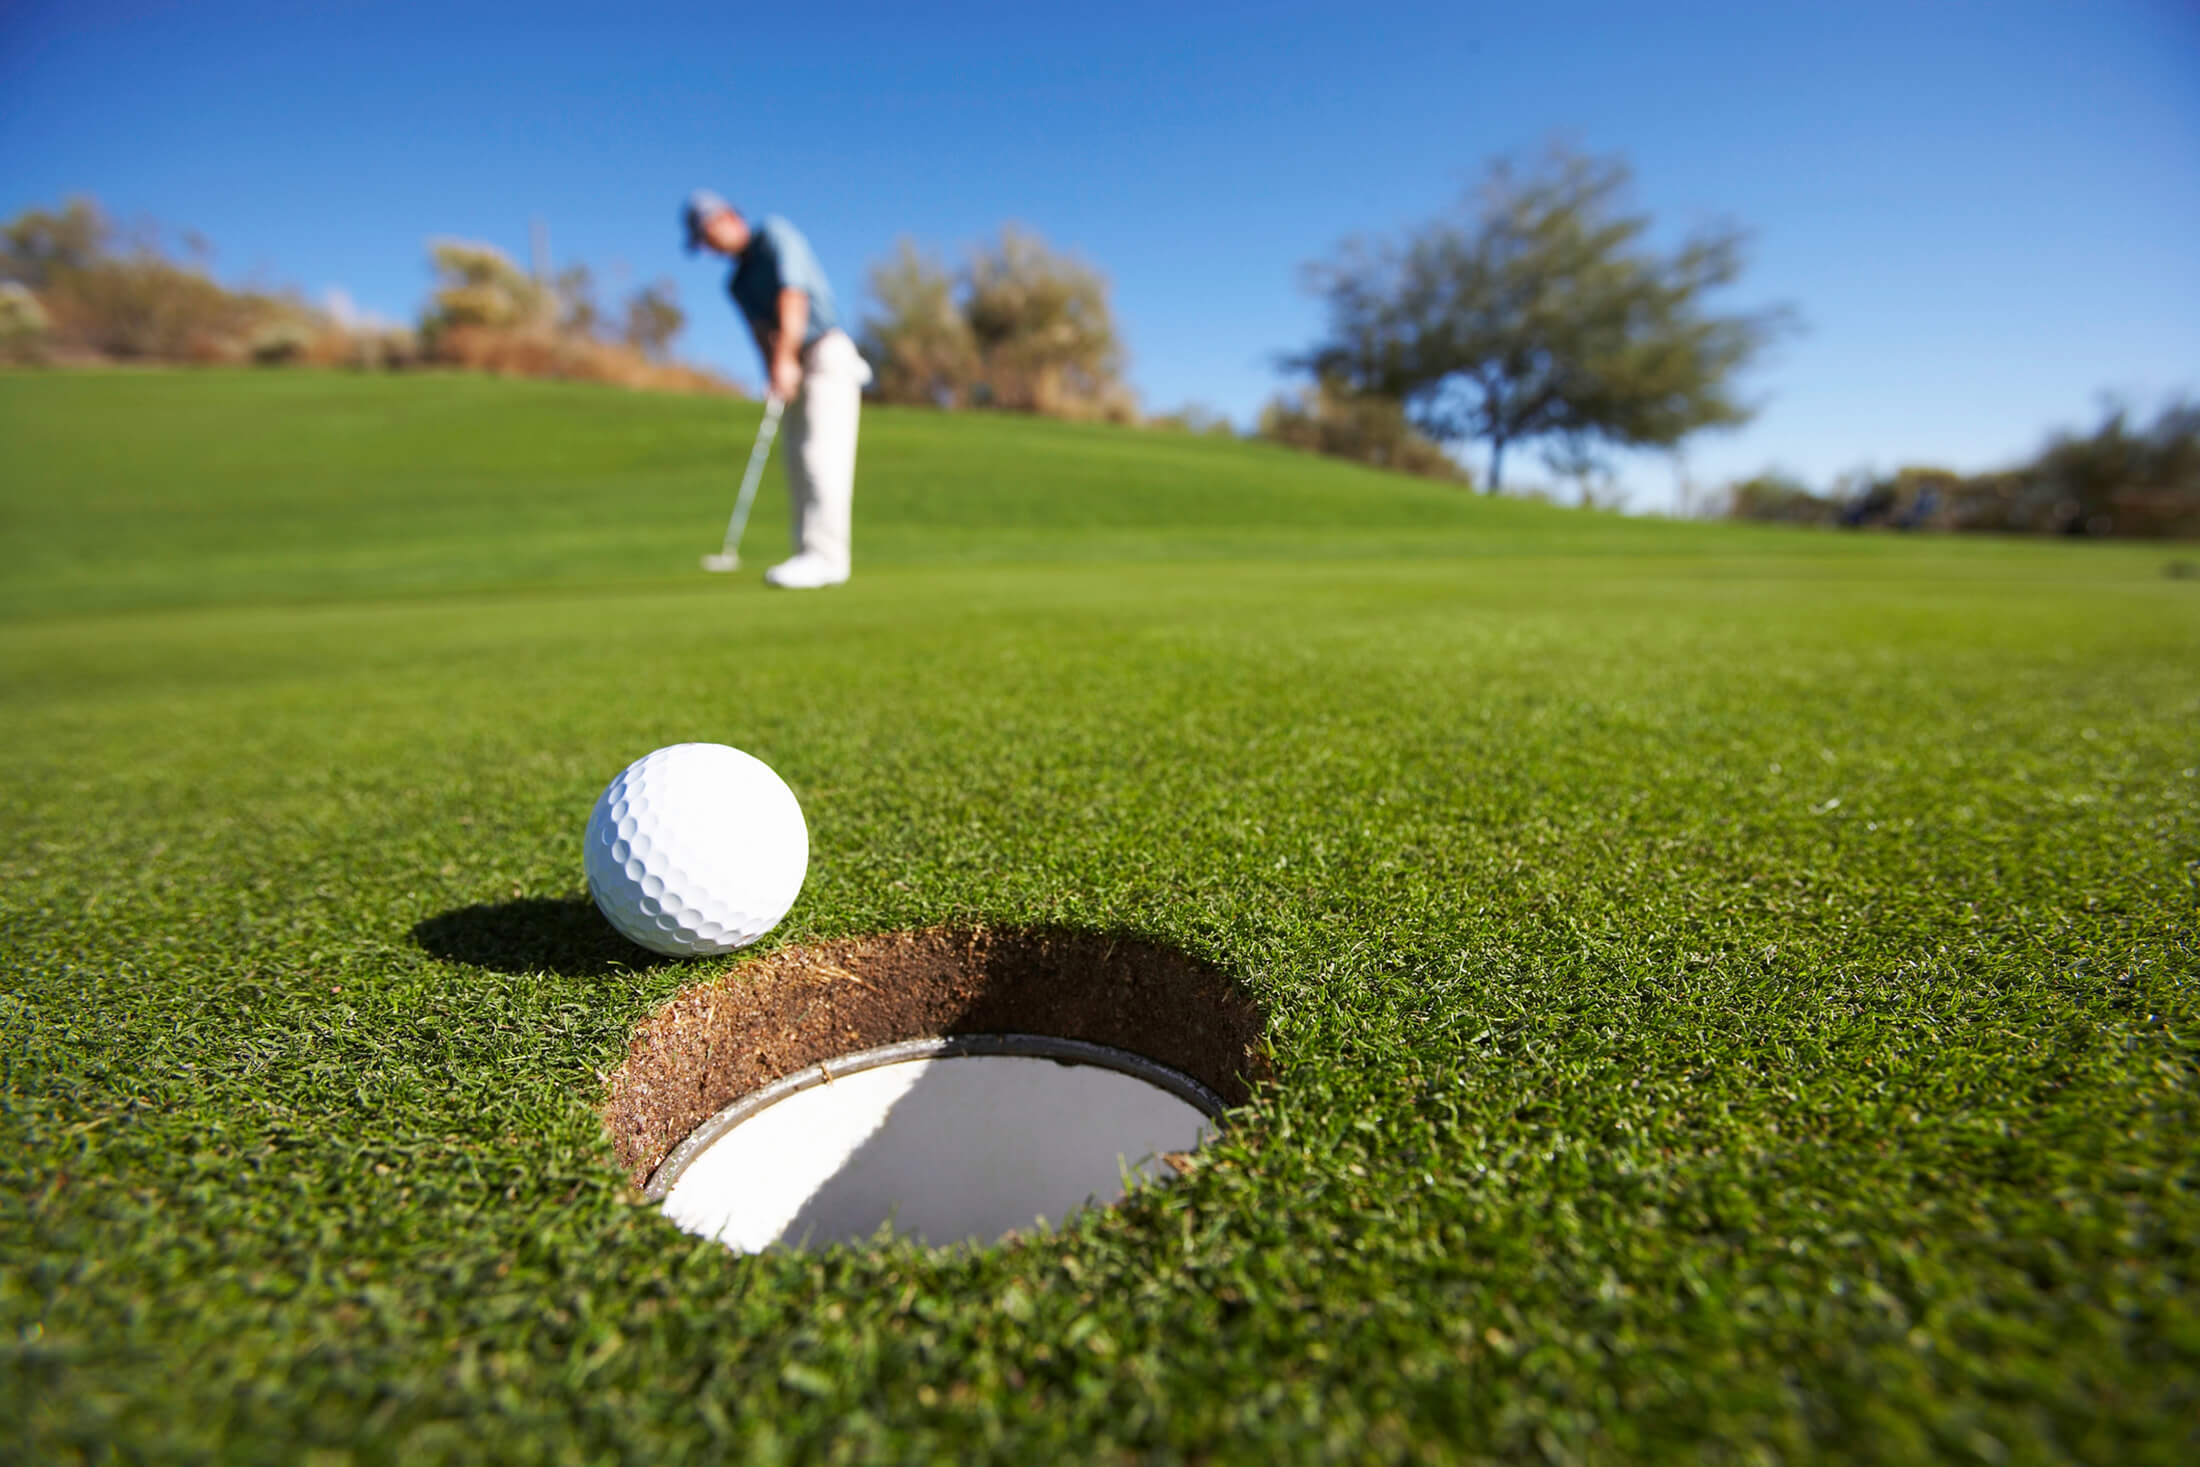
x,y
812,367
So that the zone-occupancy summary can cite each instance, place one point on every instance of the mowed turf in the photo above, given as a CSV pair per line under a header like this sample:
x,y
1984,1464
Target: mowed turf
x,y
1732,991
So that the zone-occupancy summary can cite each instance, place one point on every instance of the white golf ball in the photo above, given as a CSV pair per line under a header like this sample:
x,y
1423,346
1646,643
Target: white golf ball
x,y
695,849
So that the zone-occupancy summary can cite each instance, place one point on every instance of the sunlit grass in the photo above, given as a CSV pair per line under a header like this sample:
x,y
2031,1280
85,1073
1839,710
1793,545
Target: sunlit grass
x,y
1732,991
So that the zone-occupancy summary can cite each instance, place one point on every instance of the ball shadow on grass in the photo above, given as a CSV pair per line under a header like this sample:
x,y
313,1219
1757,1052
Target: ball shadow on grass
x,y
562,935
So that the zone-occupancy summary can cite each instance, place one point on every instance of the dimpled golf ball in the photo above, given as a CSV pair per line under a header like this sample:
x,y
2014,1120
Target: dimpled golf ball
x,y
696,849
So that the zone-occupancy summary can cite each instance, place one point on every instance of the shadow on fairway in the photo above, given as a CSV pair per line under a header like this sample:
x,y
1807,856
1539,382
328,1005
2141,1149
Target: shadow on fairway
x,y
563,935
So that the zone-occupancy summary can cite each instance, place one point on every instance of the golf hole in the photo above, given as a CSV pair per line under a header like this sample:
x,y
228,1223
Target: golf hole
x,y
952,1086
943,1140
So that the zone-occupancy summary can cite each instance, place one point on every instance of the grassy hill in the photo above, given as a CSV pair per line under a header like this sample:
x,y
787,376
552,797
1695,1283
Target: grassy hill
x,y
1731,990
149,489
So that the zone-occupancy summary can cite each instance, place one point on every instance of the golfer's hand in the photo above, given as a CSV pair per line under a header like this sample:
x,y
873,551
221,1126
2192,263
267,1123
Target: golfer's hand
x,y
786,378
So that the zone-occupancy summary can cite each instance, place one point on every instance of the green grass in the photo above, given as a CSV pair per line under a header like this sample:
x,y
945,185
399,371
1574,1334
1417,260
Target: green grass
x,y
1732,991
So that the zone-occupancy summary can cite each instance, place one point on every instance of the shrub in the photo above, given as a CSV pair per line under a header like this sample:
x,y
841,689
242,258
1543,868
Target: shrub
x,y
919,342
1195,418
538,353
141,307
65,290
364,348
1023,328
24,325
1773,495
1330,418
136,304
2118,480
280,343
1045,334
479,285
488,315
37,245
653,319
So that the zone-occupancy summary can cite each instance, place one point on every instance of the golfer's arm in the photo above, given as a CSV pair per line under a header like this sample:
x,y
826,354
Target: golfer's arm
x,y
794,323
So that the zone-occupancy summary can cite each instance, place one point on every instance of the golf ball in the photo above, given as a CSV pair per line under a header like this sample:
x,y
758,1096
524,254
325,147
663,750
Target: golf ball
x,y
697,848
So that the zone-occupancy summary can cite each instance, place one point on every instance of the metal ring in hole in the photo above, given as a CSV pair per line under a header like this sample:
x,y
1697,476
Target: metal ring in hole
x,y
1029,1046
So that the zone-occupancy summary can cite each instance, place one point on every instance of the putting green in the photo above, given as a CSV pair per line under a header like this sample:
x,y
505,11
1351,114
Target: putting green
x,y
1731,991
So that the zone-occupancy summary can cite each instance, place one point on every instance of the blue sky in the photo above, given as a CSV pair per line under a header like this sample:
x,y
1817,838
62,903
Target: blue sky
x,y
1986,214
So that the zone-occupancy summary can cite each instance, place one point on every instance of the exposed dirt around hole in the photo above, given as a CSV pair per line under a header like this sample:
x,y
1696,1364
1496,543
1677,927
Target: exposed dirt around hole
x,y
717,1041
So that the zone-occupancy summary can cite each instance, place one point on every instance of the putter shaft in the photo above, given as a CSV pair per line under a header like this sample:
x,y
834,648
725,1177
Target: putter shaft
x,y
767,430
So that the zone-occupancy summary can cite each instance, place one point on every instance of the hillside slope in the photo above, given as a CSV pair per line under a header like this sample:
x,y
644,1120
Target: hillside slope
x,y
178,488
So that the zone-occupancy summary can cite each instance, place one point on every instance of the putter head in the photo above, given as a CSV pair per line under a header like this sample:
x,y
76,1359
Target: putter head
x,y
722,561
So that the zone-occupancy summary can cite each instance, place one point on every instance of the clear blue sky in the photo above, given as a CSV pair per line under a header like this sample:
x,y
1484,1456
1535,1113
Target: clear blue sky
x,y
1988,214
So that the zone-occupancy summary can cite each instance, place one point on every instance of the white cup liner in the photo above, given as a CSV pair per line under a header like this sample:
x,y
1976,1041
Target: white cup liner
x,y
951,1140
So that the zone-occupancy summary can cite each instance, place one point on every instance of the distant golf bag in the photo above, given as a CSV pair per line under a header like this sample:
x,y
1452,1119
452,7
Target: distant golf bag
x,y
729,557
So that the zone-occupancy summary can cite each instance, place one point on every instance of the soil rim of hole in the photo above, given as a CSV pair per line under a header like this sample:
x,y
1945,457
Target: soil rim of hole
x,y
718,1042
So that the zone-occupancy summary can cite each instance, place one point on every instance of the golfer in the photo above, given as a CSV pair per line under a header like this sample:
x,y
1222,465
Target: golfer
x,y
812,367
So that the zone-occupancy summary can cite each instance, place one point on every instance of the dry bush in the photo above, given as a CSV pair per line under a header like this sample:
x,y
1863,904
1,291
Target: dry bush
x,y
479,285
1044,330
919,342
143,308
1332,419
1779,497
363,348
539,353
98,301
1195,418
24,324
488,315
1023,328
652,319
67,294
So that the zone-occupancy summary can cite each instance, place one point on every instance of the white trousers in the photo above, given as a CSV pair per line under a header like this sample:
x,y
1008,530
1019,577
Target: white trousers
x,y
821,447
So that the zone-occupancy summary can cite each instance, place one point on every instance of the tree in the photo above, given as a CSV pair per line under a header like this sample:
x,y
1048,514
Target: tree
x,y
919,341
573,293
1044,331
2121,478
1022,327
38,244
653,318
1538,313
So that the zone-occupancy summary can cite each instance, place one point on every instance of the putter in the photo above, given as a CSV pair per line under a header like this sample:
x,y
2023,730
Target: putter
x,y
729,558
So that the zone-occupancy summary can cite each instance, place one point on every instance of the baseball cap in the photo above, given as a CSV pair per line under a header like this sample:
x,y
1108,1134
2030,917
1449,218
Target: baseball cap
x,y
700,206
